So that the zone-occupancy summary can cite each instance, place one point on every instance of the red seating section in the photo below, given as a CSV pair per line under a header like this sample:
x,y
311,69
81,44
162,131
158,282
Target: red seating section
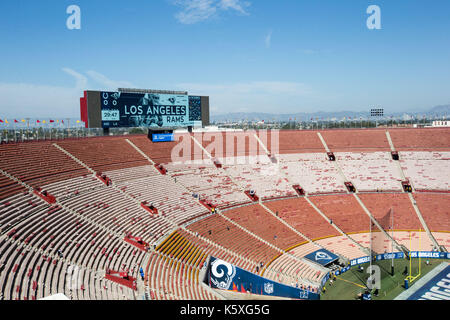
x,y
356,140
183,148
231,144
434,208
105,153
41,242
9,187
344,211
426,139
405,218
231,237
293,141
262,223
302,216
39,163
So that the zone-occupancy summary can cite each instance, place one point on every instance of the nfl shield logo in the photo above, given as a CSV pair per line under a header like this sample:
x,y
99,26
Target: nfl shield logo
x,y
303,294
268,288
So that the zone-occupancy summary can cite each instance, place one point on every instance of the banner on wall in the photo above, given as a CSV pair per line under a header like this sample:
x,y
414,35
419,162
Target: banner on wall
x,y
225,276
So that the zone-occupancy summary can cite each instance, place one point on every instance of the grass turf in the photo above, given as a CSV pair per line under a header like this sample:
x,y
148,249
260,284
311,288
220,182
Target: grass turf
x,y
348,285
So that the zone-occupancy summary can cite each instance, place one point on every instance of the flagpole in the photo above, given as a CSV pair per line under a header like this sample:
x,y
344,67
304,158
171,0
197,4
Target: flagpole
x,y
28,128
14,132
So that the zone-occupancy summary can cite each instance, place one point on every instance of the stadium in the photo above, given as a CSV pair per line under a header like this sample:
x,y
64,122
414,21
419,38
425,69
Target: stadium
x,y
224,157
214,215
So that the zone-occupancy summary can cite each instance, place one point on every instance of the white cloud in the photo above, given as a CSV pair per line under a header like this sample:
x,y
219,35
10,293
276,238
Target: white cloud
x,y
268,39
194,11
256,96
19,100
81,81
107,83
237,5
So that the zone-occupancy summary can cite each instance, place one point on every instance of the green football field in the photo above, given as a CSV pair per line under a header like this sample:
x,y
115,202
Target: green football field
x,y
348,285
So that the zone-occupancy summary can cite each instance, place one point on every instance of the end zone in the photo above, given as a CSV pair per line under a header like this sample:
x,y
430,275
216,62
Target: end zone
x,y
433,286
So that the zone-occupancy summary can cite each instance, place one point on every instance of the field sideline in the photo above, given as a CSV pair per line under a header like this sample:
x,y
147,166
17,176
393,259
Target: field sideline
x,y
350,284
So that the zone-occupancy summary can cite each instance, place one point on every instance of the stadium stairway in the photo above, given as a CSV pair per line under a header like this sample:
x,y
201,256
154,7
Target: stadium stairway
x,y
279,250
97,293
140,152
335,163
317,209
124,191
74,158
413,202
263,146
366,210
342,258
364,249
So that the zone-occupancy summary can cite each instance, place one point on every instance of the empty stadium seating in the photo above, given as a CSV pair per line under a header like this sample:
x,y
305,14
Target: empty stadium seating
x,y
425,139
344,211
66,247
434,208
39,163
301,215
293,141
262,223
404,216
368,140
424,169
370,171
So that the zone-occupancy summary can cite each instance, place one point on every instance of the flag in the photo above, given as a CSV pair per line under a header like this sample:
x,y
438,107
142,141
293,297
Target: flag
x,y
78,121
1,121
23,120
43,121
15,121
51,121
6,121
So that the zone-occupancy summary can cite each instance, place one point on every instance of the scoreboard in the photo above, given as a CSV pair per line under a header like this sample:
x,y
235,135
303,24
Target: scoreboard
x,y
106,109
121,109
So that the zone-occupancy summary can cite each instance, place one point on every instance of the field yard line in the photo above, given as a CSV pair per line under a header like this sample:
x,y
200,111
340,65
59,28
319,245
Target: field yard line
x,y
361,286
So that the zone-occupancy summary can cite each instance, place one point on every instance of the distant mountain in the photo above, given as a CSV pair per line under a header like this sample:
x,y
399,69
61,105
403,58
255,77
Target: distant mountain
x,y
441,110
302,116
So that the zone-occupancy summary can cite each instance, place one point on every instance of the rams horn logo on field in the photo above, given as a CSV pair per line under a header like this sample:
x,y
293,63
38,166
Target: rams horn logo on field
x,y
222,279
322,256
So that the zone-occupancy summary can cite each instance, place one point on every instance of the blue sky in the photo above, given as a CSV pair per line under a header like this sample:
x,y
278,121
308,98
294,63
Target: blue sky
x,y
248,55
